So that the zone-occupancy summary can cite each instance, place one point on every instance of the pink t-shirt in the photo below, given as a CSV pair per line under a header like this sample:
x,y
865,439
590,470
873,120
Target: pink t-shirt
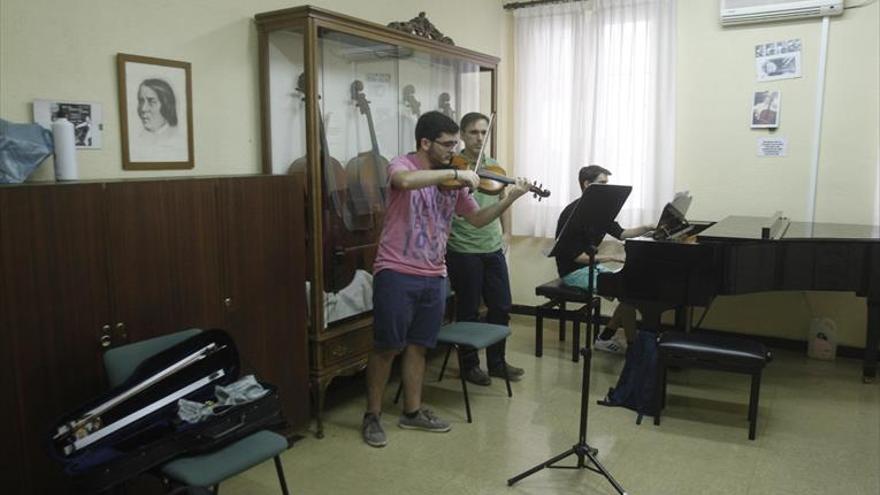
x,y
417,224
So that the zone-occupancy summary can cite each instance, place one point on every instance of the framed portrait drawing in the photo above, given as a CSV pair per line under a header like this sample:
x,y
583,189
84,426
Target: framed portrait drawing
x,y
155,111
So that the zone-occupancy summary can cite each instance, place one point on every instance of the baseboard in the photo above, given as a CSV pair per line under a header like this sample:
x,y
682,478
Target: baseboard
x,y
772,342
522,309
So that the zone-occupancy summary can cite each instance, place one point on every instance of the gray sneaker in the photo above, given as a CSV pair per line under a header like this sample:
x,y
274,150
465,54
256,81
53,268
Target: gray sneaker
x,y
372,431
424,420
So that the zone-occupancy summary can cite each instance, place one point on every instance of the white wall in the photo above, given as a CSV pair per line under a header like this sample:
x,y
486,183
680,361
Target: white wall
x,y
716,152
66,51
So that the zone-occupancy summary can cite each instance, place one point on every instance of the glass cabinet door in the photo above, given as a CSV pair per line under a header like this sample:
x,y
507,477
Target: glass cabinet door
x,y
358,82
429,82
369,93
287,100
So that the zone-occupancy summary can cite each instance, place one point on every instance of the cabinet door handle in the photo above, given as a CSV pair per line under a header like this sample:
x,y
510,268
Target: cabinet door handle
x,y
105,339
227,302
120,330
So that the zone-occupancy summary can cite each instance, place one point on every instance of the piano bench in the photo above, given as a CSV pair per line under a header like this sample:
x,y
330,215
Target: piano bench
x,y
559,296
714,352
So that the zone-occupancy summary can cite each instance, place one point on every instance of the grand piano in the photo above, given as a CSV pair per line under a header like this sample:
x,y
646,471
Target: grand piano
x,y
741,255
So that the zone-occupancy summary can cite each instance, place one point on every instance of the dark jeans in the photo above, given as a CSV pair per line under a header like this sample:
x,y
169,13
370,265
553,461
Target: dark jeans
x,y
476,278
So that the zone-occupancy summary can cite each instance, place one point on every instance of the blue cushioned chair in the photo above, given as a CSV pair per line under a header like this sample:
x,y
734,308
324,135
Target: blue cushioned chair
x,y
467,334
206,470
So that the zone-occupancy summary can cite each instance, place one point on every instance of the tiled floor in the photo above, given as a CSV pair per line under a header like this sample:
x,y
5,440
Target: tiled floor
x,y
818,433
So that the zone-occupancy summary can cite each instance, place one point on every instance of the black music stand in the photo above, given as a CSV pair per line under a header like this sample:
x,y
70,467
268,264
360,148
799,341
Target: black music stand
x,y
598,206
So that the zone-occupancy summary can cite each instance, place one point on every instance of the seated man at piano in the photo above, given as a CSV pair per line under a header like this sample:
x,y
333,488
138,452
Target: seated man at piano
x,y
572,261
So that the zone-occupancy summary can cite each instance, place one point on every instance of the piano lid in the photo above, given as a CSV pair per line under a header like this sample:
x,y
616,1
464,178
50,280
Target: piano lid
x,y
743,228
838,231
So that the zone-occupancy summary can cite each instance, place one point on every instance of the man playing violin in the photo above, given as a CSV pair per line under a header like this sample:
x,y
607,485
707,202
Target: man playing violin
x,y
572,262
477,266
409,286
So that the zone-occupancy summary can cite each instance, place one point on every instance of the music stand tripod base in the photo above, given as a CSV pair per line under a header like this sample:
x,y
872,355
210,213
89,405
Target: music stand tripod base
x,y
582,450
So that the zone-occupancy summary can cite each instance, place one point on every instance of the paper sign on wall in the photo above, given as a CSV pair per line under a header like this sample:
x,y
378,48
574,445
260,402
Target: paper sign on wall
x,y
775,146
86,117
778,60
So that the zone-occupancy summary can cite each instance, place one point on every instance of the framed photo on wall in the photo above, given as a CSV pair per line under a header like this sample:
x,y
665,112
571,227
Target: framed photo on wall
x,y
155,111
765,109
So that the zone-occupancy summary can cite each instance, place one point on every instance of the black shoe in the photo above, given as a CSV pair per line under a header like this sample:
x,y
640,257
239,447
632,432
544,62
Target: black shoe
x,y
513,373
477,376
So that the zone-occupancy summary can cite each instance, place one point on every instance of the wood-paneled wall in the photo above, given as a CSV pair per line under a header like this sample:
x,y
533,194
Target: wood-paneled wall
x,y
88,266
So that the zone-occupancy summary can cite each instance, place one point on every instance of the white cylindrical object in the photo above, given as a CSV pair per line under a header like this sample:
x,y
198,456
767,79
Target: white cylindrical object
x,y
65,150
817,126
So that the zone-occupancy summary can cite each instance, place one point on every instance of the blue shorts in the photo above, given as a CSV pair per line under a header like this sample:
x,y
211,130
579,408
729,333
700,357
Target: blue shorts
x,y
407,309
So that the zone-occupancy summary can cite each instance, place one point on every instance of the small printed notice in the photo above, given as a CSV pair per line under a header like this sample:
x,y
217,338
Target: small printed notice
x,y
378,84
774,146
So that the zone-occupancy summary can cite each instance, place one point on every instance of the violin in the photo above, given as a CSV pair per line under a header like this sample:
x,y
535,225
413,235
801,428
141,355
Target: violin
x,y
333,175
336,219
409,99
366,172
445,106
493,179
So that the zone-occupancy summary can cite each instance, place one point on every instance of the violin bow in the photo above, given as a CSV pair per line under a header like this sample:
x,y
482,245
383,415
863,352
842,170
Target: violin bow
x,y
479,162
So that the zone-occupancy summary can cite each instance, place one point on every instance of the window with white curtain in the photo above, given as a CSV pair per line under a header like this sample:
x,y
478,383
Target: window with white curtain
x,y
594,85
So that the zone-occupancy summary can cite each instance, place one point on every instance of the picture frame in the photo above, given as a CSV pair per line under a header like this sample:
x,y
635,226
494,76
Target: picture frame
x,y
765,109
155,112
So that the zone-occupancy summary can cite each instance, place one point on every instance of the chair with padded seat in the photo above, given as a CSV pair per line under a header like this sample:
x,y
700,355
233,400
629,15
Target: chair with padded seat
x,y
205,470
468,335
714,352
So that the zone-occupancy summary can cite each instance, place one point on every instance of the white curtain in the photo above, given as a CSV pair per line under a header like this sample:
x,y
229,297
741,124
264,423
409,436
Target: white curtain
x,y
594,85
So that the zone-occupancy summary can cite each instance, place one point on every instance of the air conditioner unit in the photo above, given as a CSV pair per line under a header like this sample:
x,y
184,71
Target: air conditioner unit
x,y
750,11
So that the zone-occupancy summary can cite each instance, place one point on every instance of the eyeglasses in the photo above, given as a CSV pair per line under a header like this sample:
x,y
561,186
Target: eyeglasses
x,y
447,144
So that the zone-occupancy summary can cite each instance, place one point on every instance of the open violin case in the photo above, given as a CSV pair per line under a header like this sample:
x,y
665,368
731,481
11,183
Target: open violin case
x,y
135,427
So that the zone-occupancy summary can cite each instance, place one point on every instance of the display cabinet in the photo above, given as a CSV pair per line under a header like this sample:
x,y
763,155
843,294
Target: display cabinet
x,y
340,97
